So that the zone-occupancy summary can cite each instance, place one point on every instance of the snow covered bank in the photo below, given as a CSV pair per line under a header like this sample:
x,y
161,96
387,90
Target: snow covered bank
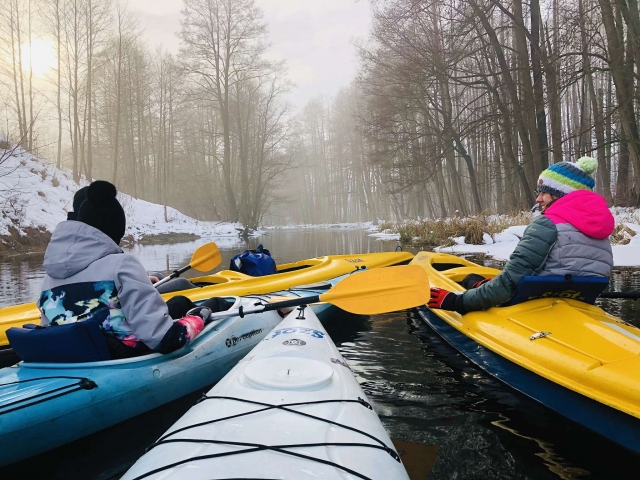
x,y
35,196
502,245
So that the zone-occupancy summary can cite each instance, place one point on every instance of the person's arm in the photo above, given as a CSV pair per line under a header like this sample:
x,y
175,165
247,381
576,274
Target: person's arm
x,y
146,311
528,257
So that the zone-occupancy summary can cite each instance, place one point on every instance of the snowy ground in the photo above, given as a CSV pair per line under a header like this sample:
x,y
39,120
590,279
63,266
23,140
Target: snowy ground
x,y
33,193
502,245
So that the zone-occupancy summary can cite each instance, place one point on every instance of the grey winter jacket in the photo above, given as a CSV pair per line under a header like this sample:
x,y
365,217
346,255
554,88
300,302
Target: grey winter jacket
x,y
80,258
571,237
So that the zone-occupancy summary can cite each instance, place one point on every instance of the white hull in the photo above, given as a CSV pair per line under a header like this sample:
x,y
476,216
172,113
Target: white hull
x,y
297,363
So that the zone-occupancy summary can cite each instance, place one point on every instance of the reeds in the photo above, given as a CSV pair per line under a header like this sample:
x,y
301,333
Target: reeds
x,y
442,232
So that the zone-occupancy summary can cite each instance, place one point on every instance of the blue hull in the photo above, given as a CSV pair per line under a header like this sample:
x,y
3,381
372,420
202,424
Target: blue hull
x,y
606,421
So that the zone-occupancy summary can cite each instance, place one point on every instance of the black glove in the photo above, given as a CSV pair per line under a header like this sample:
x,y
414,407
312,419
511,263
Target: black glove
x,y
202,312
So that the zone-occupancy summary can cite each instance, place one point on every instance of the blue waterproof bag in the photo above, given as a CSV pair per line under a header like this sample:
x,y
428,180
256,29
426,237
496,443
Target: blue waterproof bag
x,y
256,262
71,343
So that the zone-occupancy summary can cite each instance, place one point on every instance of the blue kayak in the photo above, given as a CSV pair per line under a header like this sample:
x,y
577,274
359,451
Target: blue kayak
x,y
45,405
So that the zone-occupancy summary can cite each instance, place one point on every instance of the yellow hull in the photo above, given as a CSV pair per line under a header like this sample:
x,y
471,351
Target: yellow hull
x,y
587,350
226,282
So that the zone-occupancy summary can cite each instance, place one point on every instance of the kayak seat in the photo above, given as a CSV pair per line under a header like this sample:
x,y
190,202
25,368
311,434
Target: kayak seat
x,y
77,342
584,289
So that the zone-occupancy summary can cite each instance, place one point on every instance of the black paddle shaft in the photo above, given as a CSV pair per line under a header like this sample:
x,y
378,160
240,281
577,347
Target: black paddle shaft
x,y
631,295
292,303
177,273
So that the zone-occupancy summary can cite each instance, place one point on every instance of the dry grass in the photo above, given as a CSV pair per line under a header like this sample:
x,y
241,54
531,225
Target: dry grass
x,y
621,233
440,232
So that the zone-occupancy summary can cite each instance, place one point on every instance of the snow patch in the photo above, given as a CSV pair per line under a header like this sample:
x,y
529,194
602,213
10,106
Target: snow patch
x,y
33,193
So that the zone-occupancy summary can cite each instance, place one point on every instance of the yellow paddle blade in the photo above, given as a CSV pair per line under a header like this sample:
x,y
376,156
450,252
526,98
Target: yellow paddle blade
x,y
206,258
381,290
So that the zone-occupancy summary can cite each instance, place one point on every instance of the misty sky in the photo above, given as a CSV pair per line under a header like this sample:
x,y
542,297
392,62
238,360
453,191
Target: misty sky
x,y
313,36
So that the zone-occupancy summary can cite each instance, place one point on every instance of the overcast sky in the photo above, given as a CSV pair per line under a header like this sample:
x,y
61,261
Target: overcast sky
x,y
313,36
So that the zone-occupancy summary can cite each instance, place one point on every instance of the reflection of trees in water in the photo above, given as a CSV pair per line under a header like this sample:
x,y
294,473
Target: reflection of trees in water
x,y
20,279
626,309
426,392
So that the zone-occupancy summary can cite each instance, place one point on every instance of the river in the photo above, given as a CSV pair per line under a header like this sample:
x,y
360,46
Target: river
x,y
466,424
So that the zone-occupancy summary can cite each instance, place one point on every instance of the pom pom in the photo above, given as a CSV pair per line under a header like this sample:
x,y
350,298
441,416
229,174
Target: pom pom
x,y
588,164
101,191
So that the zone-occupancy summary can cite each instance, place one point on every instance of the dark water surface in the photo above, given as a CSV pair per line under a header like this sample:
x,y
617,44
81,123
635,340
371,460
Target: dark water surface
x,y
424,391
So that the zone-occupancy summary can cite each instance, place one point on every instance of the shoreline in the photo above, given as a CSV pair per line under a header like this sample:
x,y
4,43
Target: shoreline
x,y
35,243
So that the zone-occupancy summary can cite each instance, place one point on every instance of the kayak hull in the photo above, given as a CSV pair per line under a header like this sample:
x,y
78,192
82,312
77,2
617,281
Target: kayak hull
x,y
291,409
608,422
229,283
583,367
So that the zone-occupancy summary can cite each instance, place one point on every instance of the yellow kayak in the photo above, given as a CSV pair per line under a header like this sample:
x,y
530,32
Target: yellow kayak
x,y
226,282
569,355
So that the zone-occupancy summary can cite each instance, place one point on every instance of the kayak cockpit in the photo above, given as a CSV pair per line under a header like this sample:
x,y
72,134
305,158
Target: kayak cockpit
x,y
206,332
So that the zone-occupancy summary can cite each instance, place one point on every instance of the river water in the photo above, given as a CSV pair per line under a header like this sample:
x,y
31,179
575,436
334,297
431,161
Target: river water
x,y
464,423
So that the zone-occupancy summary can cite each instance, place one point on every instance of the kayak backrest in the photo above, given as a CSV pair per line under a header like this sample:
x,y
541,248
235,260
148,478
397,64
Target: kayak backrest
x,y
584,289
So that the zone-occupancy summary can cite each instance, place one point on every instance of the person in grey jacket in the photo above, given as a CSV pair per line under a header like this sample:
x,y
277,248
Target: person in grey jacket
x,y
570,237
88,274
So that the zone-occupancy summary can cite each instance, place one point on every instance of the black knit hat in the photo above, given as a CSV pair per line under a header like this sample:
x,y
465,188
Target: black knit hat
x,y
102,210
78,198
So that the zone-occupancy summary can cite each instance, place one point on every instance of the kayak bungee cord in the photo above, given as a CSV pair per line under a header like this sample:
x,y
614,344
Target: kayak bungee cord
x,y
284,406
277,448
82,384
258,448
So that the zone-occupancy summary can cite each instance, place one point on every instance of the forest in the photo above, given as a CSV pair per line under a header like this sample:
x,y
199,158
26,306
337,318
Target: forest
x,y
456,108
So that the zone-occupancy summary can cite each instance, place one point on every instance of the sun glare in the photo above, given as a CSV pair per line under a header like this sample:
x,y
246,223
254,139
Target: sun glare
x,y
41,56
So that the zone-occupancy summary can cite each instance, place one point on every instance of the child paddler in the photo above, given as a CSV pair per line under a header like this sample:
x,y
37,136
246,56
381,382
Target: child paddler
x,y
570,237
89,278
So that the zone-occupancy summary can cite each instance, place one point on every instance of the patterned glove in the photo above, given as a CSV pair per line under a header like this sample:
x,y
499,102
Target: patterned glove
x,y
193,325
441,298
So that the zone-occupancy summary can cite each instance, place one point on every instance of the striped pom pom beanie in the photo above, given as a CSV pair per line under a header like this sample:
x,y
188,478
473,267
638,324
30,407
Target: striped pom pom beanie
x,y
565,177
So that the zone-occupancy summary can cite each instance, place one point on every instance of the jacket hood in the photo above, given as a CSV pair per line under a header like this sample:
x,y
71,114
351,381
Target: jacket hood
x,y
587,211
74,246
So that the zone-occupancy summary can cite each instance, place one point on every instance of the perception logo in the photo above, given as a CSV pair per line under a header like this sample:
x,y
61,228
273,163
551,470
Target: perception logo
x,y
232,341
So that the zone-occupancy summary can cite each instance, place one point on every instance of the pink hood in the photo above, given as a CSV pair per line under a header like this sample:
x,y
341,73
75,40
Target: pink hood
x,y
587,211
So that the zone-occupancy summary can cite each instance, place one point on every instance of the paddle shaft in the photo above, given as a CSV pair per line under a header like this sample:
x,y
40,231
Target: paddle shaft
x,y
241,312
630,295
205,258
175,274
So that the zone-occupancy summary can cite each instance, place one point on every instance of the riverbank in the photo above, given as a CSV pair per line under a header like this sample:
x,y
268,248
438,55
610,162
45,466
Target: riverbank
x,y
35,196
496,236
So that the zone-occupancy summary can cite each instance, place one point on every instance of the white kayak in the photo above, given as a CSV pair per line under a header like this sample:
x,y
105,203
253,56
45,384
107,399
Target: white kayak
x,y
291,409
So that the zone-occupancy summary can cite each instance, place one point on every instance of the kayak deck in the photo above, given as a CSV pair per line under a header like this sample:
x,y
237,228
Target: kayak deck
x,y
572,344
